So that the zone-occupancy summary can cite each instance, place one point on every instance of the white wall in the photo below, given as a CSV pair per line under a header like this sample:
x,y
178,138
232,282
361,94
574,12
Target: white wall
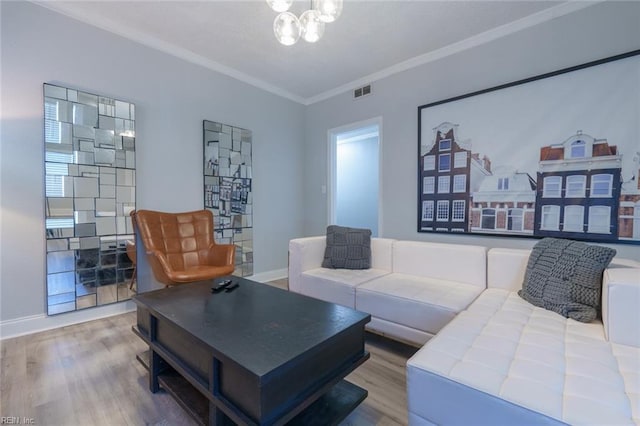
x,y
592,33
172,98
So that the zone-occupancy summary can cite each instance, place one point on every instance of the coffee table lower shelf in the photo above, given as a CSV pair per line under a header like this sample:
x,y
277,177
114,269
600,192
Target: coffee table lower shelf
x,y
330,409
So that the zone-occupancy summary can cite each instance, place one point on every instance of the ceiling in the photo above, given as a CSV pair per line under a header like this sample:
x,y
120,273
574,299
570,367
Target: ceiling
x,y
370,40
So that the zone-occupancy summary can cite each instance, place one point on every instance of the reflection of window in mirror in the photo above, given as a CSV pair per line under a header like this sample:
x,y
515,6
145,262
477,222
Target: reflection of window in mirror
x,y
54,182
51,126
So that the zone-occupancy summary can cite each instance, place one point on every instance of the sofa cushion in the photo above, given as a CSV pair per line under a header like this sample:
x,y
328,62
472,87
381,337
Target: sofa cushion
x,y
348,248
506,268
426,304
565,276
335,285
532,358
442,261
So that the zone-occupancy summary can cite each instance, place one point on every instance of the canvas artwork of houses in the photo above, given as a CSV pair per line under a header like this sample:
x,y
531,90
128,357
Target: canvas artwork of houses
x,y
576,193
557,155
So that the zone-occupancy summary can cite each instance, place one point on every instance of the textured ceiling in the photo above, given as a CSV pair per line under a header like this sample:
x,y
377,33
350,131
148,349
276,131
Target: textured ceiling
x,y
371,38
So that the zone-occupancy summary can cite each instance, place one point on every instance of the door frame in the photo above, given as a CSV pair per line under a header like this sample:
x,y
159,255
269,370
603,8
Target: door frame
x,y
636,221
332,139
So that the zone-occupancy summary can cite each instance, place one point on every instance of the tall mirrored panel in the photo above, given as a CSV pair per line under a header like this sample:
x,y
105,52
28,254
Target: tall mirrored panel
x,y
90,184
227,189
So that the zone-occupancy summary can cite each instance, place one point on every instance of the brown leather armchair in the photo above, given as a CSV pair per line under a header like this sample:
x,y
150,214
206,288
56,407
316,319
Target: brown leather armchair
x,y
180,247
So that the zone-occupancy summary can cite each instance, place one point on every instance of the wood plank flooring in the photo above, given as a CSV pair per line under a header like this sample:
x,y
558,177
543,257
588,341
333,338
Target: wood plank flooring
x,y
87,374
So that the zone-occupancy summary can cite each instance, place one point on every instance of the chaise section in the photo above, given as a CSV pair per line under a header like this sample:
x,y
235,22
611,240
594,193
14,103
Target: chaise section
x,y
507,361
519,364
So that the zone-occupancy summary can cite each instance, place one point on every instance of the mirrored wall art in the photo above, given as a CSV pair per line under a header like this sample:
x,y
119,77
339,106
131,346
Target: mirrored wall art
x,y
89,192
227,189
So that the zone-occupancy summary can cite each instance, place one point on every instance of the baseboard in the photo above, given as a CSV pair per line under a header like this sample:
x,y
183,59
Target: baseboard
x,y
276,274
36,323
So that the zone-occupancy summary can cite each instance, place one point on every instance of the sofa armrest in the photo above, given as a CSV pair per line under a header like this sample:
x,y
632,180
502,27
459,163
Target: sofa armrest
x,y
621,305
304,254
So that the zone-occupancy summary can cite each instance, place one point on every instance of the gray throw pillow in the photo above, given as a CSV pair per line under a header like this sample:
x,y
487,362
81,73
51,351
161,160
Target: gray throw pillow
x,y
347,248
565,276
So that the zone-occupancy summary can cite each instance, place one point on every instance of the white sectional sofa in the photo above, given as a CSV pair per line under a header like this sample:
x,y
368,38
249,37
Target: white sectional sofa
x,y
412,290
495,358
508,362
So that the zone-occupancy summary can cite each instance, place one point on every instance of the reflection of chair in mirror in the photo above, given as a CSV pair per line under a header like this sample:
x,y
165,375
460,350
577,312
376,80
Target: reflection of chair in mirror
x,y
131,252
180,247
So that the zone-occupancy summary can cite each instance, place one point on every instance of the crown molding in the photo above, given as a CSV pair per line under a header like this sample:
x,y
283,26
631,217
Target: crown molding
x,y
468,43
189,56
169,48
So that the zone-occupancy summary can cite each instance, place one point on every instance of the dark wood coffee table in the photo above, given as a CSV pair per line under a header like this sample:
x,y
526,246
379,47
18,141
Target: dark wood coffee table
x,y
255,355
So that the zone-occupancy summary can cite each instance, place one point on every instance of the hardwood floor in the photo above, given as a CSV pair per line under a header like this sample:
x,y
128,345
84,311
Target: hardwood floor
x,y
87,374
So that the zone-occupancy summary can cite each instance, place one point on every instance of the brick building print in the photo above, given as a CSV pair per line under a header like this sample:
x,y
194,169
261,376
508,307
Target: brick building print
x,y
504,203
629,212
444,186
446,168
578,189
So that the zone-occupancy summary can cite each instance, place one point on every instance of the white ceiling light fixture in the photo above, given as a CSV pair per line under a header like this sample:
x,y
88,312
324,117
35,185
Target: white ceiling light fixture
x,y
329,10
286,27
310,26
280,5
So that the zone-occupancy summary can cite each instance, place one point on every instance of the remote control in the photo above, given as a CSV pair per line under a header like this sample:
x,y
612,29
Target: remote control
x,y
221,286
231,288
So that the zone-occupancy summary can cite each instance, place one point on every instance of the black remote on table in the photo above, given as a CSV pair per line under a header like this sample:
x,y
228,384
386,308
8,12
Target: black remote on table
x,y
231,288
221,286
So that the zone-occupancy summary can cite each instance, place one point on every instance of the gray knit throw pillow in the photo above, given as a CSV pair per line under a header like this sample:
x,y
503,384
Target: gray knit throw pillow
x,y
347,248
565,276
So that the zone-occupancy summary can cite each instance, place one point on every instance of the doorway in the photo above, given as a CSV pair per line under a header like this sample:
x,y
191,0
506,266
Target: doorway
x,y
354,175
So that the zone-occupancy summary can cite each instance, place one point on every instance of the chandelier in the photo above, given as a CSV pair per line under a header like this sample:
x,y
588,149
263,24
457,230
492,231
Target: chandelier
x,y
288,28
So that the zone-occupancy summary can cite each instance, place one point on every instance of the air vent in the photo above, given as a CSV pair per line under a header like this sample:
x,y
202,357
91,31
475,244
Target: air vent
x,y
362,91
